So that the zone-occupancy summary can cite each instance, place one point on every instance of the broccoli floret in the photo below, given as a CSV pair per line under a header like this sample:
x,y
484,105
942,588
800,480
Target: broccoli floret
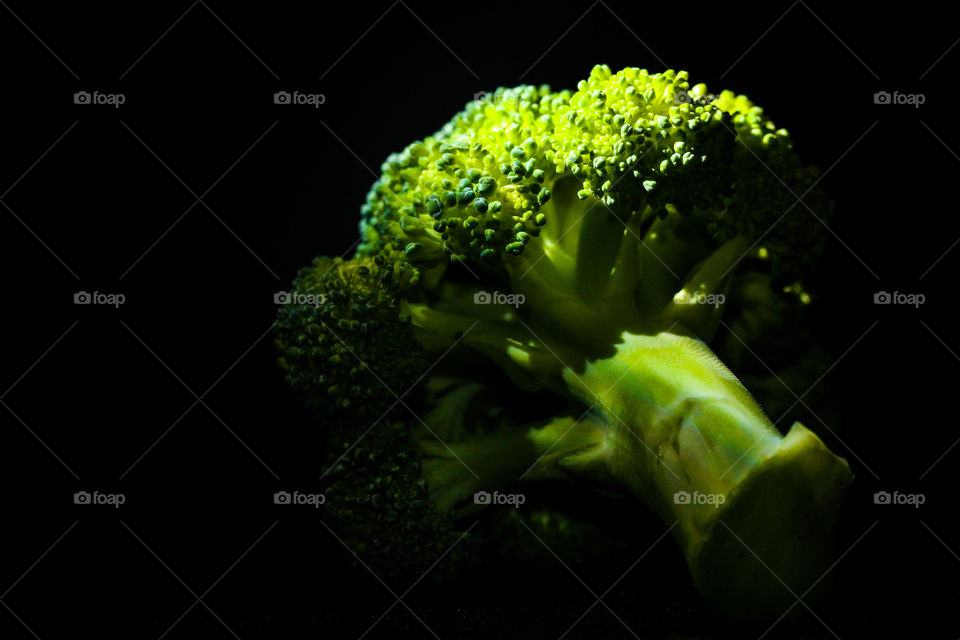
x,y
380,506
351,309
584,244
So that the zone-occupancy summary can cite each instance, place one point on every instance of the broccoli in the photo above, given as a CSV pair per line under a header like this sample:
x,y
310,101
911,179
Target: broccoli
x,y
545,272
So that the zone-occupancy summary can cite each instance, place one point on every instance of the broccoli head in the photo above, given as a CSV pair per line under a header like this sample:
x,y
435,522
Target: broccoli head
x,y
532,300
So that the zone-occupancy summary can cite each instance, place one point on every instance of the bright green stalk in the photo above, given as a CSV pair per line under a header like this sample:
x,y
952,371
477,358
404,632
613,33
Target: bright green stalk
x,y
670,424
685,436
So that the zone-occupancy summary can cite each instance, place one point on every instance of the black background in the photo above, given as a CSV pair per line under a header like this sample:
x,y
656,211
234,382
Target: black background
x,y
105,199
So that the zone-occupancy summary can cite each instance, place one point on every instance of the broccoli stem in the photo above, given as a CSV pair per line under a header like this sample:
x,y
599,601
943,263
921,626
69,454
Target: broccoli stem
x,y
691,307
668,423
455,471
685,436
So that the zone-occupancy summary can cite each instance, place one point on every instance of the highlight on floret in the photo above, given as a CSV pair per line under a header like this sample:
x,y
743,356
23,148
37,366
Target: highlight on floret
x,y
531,302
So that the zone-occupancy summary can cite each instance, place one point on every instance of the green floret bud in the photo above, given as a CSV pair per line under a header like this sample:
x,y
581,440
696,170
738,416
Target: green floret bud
x,y
328,341
379,505
487,186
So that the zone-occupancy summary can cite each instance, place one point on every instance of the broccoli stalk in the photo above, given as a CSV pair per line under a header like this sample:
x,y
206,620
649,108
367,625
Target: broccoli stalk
x,y
455,471
687,438
670,424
